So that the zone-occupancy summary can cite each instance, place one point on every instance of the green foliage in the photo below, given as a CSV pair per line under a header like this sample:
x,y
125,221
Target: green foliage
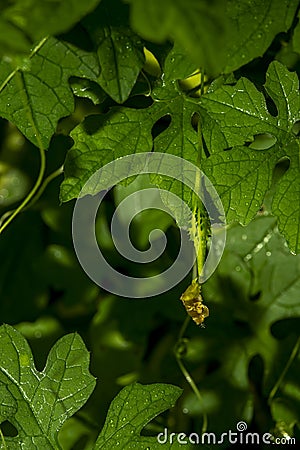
x,y
82,84
38,95
249,171
204,28
38,403
25,22
130,411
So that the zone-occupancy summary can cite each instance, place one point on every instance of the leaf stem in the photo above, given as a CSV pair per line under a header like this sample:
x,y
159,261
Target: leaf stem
x,y
178,355
285,370
13,73
179,350
46,181
3,440
31,193
8,78
38,138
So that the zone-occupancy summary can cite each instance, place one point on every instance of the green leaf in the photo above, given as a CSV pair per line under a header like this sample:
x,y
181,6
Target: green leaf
x,y
120,51
178,64
38,403
121,58
85,88
130,411
234,114
34,99
23,23
242,175
219,36
286,201
103,138
196,26
253,26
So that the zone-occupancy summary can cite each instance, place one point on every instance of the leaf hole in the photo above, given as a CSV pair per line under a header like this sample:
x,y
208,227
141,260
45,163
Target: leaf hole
x,y
8,429
138,102
161,125
271,107
263,141
242,327
256,371
213,366
280,168
285,327
296,128
195,121
255,297
205,148
195,118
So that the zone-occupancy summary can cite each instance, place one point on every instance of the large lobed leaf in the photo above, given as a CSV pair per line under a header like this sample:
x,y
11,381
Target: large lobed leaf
x,y
242,175
38,403
101,139
230,116
130,411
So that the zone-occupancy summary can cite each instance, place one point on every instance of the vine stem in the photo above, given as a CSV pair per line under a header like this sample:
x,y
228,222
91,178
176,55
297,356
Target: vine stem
x,y
285,369
41,174
31,193
185,372
3,440
47,180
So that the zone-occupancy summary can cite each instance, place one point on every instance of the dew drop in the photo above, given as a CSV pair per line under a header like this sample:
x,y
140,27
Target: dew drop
x,y
244,237
185,411
248,257
238,268
268,253
258,247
